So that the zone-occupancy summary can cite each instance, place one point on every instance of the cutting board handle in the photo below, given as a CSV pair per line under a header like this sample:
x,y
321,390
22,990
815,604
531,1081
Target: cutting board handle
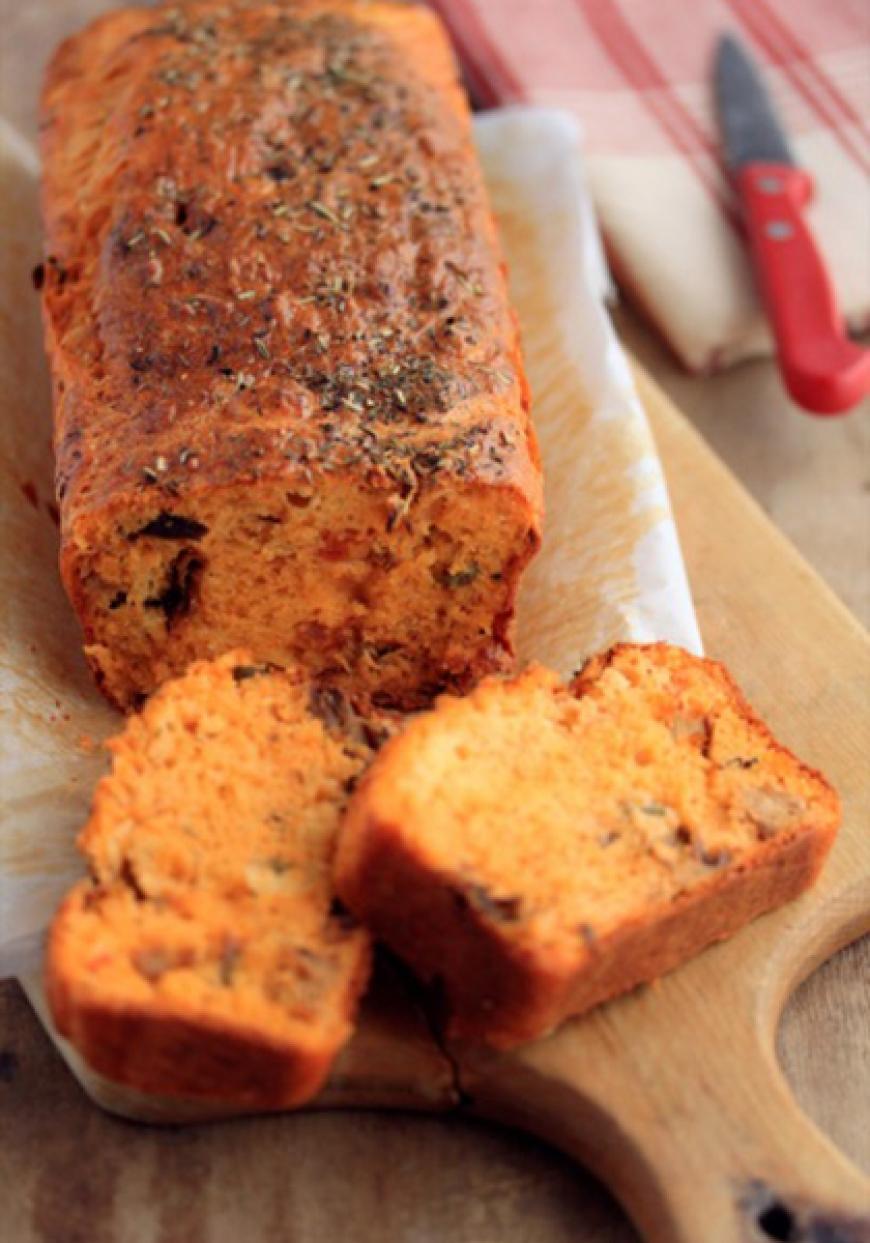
x,y
741,1166
673,1095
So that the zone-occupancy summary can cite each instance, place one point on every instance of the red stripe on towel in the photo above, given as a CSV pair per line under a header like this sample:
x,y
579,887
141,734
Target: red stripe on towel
x,y
790,57
643,75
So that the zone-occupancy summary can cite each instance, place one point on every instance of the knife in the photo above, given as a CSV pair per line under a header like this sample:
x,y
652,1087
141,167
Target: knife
x,y
824,371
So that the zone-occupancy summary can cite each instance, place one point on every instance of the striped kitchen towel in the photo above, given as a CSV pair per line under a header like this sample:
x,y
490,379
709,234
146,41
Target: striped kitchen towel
x,y
637,73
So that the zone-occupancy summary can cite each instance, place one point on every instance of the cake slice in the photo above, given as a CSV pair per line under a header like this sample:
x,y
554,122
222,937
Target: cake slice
x,y
206,956
538,848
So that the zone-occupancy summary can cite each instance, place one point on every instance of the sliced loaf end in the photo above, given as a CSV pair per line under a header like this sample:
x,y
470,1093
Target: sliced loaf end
x,y
206,956
538,848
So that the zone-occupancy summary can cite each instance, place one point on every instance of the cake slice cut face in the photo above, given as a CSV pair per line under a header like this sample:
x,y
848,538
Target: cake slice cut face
x,y
206,956
540,848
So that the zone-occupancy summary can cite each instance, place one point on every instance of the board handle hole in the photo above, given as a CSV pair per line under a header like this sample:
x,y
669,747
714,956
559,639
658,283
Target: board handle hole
x,y
777,1221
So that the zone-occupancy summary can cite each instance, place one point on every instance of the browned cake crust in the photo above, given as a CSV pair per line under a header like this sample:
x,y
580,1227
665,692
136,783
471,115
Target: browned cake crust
x,y
540,848
290,406
206,956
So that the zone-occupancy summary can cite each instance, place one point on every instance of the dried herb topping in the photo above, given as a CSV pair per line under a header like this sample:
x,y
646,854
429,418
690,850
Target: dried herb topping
x,y
299,245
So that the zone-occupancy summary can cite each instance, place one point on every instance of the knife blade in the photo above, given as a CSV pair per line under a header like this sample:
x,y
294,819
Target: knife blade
x,y
824,371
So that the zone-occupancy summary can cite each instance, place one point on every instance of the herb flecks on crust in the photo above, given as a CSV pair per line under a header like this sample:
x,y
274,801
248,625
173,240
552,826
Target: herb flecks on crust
x,y
290,260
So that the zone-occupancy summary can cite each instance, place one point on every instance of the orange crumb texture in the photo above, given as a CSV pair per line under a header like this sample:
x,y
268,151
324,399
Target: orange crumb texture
x,y
206,957
540,849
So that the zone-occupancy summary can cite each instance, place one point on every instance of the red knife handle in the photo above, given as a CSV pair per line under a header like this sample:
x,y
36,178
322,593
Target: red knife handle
x,y
823,370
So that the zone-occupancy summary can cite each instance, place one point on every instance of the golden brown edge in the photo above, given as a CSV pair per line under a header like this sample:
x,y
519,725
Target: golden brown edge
x,y
154,1049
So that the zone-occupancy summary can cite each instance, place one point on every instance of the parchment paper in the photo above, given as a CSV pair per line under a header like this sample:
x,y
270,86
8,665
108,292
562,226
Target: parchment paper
x,y
610,567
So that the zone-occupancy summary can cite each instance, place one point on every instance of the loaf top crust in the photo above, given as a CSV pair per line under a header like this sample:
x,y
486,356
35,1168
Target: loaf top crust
x,y
269,253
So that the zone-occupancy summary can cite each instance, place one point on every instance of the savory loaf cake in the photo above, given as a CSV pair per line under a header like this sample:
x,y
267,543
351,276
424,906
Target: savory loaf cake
x,y
540,848
206,956
290,407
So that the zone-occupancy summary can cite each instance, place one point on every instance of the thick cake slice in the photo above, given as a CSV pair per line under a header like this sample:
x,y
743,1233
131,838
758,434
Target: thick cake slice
x,y
539,848
206,956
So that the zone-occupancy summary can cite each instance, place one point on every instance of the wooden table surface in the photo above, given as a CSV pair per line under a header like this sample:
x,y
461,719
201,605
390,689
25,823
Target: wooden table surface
x,y
64,1165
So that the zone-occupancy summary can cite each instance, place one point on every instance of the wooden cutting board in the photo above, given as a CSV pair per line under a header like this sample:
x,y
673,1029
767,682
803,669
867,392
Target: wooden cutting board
x,y
672,1095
